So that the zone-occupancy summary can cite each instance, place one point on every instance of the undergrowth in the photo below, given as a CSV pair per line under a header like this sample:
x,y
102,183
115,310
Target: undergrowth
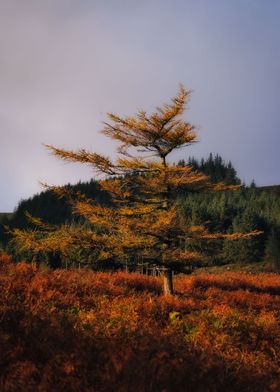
x,y
78,330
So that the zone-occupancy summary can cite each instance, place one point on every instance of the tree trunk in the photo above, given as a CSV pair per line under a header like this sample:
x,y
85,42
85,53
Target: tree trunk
x,y
167,282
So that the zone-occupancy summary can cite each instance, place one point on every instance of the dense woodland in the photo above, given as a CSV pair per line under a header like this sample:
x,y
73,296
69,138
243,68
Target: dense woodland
x,y
245,209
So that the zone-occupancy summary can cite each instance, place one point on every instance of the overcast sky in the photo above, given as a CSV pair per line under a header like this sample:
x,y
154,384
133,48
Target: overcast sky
x,y
65,63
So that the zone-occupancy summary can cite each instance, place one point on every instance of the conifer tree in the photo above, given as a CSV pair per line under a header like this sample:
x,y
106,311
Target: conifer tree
x,y
143,222
246,250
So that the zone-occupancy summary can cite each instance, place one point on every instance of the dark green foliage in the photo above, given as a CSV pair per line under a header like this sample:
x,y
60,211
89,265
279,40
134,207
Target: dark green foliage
x,y
272,248
243,210
250,249
5,216
51,209
214,167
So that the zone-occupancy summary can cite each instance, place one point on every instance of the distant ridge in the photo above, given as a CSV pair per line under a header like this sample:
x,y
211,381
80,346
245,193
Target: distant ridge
x,y
271,188
5,215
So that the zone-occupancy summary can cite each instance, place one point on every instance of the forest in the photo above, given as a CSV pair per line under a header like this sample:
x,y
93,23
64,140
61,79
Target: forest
x,y
244,209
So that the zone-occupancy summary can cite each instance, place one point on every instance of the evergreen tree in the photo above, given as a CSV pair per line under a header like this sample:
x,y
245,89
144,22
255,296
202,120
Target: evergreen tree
x,y
215,168
246,249
143,222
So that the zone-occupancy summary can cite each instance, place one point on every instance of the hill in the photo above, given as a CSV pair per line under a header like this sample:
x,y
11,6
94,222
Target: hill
x,y
52,209
271,188
249,208
5,216
76,330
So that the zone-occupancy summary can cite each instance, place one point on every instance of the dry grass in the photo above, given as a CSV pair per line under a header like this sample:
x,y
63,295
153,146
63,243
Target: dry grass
x,y
84,331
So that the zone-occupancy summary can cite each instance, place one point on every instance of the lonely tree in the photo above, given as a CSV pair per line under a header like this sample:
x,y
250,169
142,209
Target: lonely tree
x,y
143,222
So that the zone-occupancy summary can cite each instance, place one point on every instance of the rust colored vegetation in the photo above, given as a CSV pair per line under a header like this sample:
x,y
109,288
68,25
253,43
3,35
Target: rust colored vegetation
x,y
79,330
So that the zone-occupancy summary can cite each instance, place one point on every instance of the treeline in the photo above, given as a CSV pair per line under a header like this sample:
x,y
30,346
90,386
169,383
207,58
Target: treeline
x,y
246,209
214,167
242,210
56,210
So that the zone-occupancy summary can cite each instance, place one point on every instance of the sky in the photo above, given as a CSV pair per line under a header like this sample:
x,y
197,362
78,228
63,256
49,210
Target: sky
x,y
65,63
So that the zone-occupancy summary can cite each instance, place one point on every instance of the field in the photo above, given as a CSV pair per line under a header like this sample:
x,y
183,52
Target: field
x,y
79,330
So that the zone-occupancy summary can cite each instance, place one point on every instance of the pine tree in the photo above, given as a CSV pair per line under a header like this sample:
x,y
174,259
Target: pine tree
x,y
143,222
250,249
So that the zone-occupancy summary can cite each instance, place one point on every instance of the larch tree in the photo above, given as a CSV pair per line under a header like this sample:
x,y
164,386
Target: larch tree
x,y
143,222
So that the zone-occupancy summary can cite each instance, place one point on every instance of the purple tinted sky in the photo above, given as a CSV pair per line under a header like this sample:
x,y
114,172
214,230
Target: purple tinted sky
x,y
65,63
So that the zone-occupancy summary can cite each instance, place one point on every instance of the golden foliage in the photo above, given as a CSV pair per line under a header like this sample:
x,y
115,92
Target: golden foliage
x,y
60,239
160,133
143,219
100,163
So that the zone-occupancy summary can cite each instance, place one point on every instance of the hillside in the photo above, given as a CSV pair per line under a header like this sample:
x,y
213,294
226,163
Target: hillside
x,y
271,188
5,216
233,211
247,209
77,330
